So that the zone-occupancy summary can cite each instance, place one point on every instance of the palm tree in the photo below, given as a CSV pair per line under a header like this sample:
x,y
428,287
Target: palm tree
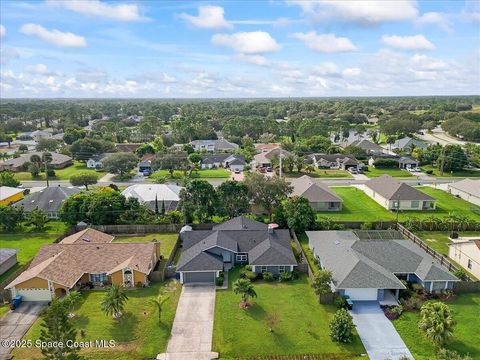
x,y
71,301
114,301
158,303
436,320
46,159
309,168
244,287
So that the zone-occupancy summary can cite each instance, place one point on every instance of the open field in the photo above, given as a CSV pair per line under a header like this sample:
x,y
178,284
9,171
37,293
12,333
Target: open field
x,y
138,334
302,326
395,172
465,334
61,174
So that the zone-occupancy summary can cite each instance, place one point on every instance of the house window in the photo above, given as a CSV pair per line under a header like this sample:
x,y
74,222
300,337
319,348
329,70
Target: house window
x,y
395,205
469,265
281,269
263,269
241,257
98,278
415,204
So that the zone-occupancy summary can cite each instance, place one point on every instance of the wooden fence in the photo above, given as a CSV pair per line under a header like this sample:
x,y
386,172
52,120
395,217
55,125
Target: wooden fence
x,y
305,266
466,286
137,229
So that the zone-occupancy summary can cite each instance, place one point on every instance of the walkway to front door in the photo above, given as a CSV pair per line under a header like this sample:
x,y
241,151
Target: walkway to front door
x,y
192,330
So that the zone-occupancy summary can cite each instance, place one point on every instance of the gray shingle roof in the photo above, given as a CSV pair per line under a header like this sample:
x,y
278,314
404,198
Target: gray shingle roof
x,y
469,186
405,142
49,199
313,191
241,223
57,159
392,189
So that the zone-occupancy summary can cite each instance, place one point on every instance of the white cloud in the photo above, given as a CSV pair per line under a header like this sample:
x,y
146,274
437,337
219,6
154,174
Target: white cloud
x,y
252,59
364,12
37,69
435,18
326,68
325,43
425,63
8,54
351,72
3,31
209,17
55,37
121,12
255,42
471,11
414,43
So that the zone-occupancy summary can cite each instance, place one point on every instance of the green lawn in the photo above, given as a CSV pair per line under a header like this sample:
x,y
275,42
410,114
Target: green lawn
x,y
321,173
395,172
302,327
438,240
29,241
201,174
462,173
61,174
303,240
465,340
167,241
138,334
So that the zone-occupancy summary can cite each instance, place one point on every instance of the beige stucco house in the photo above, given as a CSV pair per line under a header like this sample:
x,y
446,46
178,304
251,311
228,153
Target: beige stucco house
x,y
467,254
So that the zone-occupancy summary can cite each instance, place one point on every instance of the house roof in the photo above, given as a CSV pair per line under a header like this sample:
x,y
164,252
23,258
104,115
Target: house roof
x,y
266,157
407,160
366,145
49,199
406,142
7,191
88,236
57,159
64,264
313,191
469,186
220,158
220,144
127,147
392,189
7,253
266,147
333,158
359,263
241,223
150,192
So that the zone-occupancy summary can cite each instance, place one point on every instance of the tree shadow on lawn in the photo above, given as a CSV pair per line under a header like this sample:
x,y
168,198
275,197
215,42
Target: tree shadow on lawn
x,y
463,348
123,329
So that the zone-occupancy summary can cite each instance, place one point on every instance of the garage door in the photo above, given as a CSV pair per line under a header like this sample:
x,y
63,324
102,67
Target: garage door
x,y
362,294
199,277
35,294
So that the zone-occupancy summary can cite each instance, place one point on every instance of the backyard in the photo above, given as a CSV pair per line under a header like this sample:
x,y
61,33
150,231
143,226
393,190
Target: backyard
x,y
167,241
61,174
302,323
438,240
395,172
137,334
465,334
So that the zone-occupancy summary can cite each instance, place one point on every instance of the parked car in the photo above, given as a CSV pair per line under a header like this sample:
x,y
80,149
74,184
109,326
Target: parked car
x,y
269,169
352,170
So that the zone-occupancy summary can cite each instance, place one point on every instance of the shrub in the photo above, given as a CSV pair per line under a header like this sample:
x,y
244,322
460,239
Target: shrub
x,y
285,276
50,172
437,322
340,302
445,354
366,226
341,327
385,163
248,267
219,280
267,276
413,303
250,275
429,172
460,273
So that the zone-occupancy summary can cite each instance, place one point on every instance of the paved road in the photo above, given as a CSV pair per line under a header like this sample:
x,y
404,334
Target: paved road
x,y
192,330
378,335
16,323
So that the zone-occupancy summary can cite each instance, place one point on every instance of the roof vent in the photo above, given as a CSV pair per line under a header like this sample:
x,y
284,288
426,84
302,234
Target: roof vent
x,y
50,201
271,228
337,242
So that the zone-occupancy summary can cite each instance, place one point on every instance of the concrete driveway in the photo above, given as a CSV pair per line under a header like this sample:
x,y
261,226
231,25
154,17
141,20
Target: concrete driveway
x,y
192,330
14,324
378,335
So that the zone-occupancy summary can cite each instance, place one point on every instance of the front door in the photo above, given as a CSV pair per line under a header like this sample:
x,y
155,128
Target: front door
x,y
128,278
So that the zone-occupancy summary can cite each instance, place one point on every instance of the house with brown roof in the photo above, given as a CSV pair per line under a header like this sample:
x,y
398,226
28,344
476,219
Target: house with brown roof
x,y
85,259
319,195
396,195
264,159
59,161
466,252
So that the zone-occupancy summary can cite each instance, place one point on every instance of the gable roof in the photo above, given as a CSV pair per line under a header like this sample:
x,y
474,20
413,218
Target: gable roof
x,y
392,189
49,199
367,145
220,144
7,253
150,192
88,236
406,142
333,158
469,186
57,159
241,223
313,191
127,147
220,158
7,191
359,263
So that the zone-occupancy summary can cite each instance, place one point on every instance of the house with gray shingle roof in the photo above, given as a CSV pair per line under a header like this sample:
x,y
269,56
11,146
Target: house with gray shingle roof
x,y
213,145
206,253
232,161
406,143
396,195
467,189
366,270
319,195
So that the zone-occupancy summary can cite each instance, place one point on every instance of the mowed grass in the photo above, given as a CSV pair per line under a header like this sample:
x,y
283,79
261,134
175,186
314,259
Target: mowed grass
x,y
439,240
138,334
394,172
465,335
61,174
167,241
28,241
460,173
302,327
321,173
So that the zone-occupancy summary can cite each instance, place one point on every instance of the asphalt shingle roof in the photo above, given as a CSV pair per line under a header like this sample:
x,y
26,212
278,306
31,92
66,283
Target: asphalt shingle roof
x,y
49,199
241,223
313,191
392,189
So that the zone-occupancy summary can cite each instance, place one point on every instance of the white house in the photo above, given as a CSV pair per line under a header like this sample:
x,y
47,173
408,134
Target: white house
x,y
466,189
466,253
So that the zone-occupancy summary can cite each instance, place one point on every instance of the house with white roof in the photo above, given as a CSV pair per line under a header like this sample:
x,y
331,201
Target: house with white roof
x,y
155,196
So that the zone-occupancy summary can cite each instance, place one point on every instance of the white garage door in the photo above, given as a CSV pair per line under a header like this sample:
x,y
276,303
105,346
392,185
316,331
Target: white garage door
x,y
362,294
35,294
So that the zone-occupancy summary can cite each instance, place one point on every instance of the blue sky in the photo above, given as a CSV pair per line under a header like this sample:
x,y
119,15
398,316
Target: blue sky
x,y
183,49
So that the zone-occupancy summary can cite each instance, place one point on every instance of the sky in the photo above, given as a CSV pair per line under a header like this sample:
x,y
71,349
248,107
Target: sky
x,y
238,49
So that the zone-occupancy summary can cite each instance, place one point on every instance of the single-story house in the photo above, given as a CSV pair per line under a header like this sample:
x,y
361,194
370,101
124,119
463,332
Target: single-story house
x,y
319,195
59,161
406,162
96,161
406,143
50,200
261,147
88,236
396,195
58,268
130,148
155,196
35,135
232,161
206,253
10,195
367,145
264,159
467,189
213,145
334,161
466,252
366,270
8,259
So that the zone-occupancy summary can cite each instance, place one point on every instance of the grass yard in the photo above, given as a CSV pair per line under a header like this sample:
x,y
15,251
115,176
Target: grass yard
x,y
200,174
438,240
61,174
138,334
167,241
462,173
302,327
322,173
394,172
29,241
303,240
465,339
